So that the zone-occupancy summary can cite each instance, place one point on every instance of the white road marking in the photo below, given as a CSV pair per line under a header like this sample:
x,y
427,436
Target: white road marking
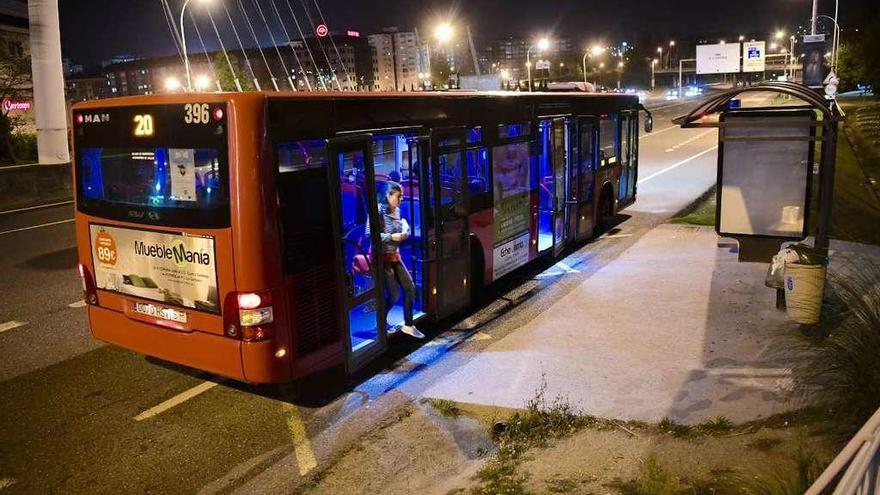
x,y
689,141
29,208
615,236
675,165
9,325
79,304
175,401
36,226
6,482
654,133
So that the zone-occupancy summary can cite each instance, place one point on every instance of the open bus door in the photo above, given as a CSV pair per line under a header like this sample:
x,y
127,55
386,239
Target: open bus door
x,y
552,182
354,205
585,163
448,176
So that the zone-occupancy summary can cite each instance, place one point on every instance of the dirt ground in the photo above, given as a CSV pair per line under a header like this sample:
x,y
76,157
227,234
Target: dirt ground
x,y
444,450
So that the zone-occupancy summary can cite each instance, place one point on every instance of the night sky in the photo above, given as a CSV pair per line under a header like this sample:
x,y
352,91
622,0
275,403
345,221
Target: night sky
x,y
94,30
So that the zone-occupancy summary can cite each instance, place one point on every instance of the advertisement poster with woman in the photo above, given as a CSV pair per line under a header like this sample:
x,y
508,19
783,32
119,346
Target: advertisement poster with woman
x,y
511,224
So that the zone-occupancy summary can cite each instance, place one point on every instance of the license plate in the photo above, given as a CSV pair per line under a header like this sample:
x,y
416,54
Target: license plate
x,y
160,312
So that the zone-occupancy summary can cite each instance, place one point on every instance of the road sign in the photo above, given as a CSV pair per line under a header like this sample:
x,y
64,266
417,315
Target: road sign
x,y
321,30
753,56
718,59
542,65
814,38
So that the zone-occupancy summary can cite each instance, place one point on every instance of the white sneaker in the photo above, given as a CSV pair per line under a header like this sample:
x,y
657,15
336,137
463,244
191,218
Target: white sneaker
x,y
412,331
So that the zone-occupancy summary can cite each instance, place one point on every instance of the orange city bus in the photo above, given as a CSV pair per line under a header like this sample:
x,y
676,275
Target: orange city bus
x,y
228,231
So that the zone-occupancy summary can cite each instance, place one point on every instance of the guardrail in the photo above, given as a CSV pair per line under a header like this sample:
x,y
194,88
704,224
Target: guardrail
x,y
856,466
29,185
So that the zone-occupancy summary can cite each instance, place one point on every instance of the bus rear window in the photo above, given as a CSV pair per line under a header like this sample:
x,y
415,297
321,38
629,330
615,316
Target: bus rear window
x,y
154,164
164,179
181,178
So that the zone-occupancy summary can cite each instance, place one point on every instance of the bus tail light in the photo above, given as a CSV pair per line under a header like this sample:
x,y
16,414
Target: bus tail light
x,y
251,316
90,293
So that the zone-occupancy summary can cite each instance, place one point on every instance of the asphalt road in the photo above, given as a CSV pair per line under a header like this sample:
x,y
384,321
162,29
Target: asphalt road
x,y
79,416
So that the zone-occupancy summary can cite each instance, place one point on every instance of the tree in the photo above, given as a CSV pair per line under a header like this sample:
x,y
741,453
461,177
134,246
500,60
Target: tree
x,y
859,60
15,84
227,77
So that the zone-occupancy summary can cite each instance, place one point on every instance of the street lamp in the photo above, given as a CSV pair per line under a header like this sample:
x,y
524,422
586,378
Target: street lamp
x,y
653,63
741,37
183,42
660,51
542,45
202,82
444,32
172,84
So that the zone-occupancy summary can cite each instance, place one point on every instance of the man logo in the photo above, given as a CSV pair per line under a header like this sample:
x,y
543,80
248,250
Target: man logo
x,y
96,118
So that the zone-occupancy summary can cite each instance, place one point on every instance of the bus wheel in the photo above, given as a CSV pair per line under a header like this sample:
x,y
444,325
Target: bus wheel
x,y
606,211
478,271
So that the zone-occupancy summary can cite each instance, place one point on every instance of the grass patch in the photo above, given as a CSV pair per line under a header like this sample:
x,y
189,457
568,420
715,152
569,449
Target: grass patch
x,y
700,212
531,427
843,370
446,407
719,424
793,478
668,426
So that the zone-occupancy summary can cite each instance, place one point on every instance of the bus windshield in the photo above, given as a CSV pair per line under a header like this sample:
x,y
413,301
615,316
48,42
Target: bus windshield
x,y
172,173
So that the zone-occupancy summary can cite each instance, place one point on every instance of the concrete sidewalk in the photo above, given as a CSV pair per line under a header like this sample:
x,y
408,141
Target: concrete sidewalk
x,y
675,327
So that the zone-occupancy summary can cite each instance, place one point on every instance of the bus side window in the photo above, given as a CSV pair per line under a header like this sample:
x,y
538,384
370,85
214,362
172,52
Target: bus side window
x,y
609,140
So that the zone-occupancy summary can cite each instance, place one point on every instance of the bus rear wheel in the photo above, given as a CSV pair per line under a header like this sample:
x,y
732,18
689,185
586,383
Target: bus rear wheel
x,y
606,212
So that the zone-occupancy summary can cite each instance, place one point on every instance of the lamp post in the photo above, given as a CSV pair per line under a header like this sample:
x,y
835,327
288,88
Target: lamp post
x,y
543,44
653,63
660,51
596,50
669,55
183,43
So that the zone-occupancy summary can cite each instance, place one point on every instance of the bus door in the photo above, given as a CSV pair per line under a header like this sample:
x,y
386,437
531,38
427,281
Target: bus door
x,y
628,164
414,207
356,235
551,184
451,229
584,165
561,167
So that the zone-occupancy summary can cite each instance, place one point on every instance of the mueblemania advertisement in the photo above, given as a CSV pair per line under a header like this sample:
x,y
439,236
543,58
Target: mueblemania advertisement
x,y
171,268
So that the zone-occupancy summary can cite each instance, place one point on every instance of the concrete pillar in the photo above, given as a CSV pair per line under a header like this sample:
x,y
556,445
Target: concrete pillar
x,y
48,79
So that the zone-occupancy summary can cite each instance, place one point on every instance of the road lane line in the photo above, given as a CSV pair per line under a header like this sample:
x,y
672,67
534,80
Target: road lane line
x,y
675,165
29,208
79,304
176,400
302,447
9,325
654,133
36,226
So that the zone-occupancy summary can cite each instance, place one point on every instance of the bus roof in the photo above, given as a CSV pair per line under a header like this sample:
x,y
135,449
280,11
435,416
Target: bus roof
x,y
180,98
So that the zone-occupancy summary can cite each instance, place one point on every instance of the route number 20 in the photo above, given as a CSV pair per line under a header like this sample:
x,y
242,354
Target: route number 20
x,y
196,113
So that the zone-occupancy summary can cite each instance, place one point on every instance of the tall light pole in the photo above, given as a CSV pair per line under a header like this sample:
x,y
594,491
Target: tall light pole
x,y
660,51
595,51
183,43
669,55
813,19
653,63
543,44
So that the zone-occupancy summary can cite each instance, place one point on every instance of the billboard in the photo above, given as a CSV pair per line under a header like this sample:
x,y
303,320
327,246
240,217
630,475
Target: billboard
x,y
753,56
763,183
814,71
171,268
718,59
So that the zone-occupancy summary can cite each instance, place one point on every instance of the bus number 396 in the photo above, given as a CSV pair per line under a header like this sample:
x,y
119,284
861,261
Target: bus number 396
x,y
196,113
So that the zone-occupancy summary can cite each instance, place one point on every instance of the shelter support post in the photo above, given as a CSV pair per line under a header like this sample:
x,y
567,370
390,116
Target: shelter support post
x,y
826,183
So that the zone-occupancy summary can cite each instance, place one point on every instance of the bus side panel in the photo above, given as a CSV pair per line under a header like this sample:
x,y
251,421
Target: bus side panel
x,y
256,245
